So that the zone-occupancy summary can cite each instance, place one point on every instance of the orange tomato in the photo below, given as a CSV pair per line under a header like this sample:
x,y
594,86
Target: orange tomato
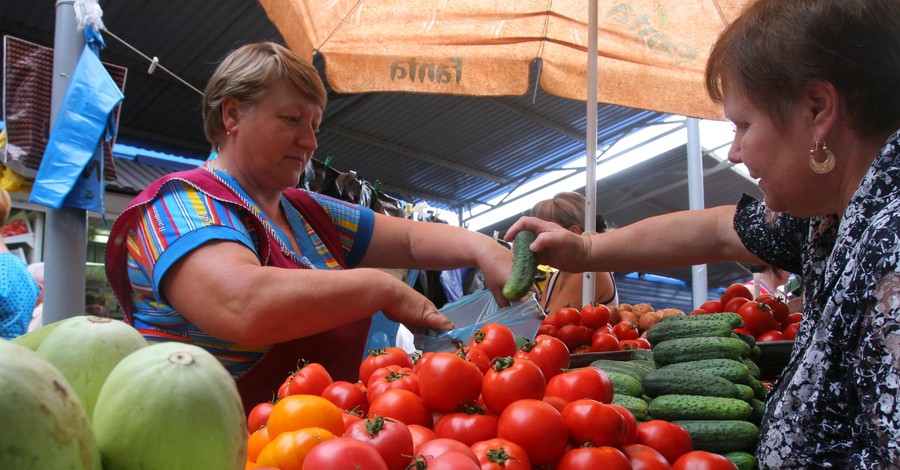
x,y
295,412
287,451
256,442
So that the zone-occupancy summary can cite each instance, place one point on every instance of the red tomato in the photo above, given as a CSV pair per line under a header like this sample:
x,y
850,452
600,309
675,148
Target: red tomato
x,y
790,331
310,378
501,454
712,306
496,339
669,439
574,336
630,436
346,395
391,439
551,319
585,382
795,317
780,309
698,312
352,416
548,329
467,427
590,421
452,460
420,359
343,453
629,344
258,416
389,377
536,426
420,435
626,330
606,329
735,290
735,304
381,357
549,353
757,317
509,380
771,335
402,405
702,460
591,458
441,446
567,316
605,342
643,343
476,355
645,458
743,331
555,402
434,385
595,315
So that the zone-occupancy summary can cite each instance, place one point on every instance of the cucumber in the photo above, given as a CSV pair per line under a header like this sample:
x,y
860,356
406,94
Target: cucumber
x,y
687,329
688,382
524,267
637,406
755,352
749,339
642,354
731,318
635,370
693,349
759,408
721,436
744,392
625,384
734,371
759,390
675,407
742,460
754,369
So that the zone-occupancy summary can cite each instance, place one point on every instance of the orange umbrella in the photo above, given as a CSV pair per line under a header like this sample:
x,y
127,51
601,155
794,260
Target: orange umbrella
x,y
651,53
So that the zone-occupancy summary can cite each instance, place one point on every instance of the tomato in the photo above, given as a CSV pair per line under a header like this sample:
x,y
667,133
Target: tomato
x,y
536,426
625,330
629,344
735,290
702,460
256,442
551,319
712,306
591,458
352,416
283,388
391,439
389,377
735,304
468,427
590,421
343,453
594,315
743,331
549,353
669,439
346,395
421,360
420,435
585,382
295,412
643,343
645,458
606,329
780,309
442,445
511,379
258,415
605,342
288,450
452,460
496,339
770,335
567,316
381,357
574,336
790,331
435,389
795,317
555,402
501,454
757,317
548,329
402,405
310,378
630,436
698,312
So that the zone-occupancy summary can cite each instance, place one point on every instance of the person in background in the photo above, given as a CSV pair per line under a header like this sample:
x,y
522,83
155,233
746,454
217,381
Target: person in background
x,y
232,257
37,315
811,87
18,290
566,288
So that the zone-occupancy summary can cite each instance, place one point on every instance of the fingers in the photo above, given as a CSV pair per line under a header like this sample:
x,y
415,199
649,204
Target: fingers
x,y
438,321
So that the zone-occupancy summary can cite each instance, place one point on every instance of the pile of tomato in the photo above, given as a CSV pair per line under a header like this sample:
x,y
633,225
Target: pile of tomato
x,y
589,330
766,317
488,405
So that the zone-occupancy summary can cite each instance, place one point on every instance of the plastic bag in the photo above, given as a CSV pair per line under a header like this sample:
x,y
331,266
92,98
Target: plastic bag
x,y
474,311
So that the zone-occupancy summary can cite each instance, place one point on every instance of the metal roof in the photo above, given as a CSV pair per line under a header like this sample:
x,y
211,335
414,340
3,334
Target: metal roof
x,y
453,152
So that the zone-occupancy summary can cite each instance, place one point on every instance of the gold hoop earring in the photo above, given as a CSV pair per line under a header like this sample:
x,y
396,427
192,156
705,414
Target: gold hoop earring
x,y
823,167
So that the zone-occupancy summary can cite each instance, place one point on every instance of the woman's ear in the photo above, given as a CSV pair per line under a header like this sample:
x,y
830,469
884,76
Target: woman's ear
x,y
575,229
231,113
824,101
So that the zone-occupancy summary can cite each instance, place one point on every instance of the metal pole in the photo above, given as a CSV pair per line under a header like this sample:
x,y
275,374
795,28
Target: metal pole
x,y
66,229
699,290
590,142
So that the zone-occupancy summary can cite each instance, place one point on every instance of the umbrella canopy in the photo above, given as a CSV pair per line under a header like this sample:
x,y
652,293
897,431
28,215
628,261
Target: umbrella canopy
x,y
651,53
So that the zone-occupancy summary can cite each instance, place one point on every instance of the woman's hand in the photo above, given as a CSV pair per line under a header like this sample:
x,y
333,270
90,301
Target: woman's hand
x,y
411,308
555,245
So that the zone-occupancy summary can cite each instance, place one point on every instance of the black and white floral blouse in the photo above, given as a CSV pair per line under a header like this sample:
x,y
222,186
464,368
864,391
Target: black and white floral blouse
x,y
837,404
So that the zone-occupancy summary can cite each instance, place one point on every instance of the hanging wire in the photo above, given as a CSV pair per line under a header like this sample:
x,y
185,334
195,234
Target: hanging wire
x,y
154,62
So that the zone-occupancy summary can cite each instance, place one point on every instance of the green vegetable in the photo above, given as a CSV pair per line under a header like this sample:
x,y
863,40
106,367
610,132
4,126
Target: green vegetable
x,y
693,349
688,382
754,369
721,436
625,384
729,369
741,460
636,369
731,318
687,329
675,407
759,408
744,392
524,266
637,406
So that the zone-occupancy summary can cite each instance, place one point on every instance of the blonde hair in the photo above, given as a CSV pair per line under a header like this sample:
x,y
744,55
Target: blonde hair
x,y
247,72
5,206
565,209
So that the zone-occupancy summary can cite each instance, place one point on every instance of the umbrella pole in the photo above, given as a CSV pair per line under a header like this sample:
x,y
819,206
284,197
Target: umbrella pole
x,y
590,141
699,291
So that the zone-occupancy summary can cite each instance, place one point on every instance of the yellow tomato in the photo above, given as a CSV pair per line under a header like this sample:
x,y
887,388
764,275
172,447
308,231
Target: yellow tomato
x,y
287,451
295,412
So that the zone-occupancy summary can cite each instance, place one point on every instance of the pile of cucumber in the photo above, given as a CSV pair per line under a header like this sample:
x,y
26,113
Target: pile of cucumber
x,y
701,375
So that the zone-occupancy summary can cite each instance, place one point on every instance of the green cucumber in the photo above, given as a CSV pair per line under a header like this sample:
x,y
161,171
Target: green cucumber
x,y
688,382
749,339
524,267
637,406
687,329
744,392
693,349
734,371
754,369
742,460
625,384
732,318
759,408
721,436
642,354
635,370
675,407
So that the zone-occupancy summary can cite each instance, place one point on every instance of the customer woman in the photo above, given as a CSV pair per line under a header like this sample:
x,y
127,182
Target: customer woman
x,y
811,86
564,288
18,290
231,257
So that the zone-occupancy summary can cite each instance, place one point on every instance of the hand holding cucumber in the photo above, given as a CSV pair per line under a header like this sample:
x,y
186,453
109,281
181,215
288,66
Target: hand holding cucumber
x,y
554,245
524,266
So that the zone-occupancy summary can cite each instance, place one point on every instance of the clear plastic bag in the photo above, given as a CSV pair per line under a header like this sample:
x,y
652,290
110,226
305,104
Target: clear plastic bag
x,y
474,311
